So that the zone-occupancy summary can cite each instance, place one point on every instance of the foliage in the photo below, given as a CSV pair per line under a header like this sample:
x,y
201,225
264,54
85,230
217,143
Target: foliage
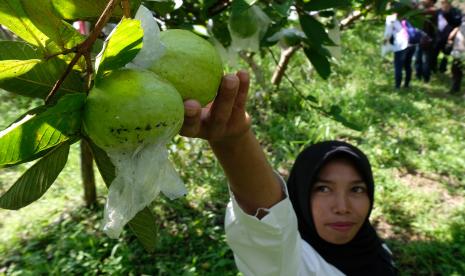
x,y
414,139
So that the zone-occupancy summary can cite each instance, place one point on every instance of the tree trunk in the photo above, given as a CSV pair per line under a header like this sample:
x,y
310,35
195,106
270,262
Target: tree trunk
x,y
281,67
87,172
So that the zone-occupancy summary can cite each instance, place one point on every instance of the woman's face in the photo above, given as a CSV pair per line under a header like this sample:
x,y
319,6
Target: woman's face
x,y
339,202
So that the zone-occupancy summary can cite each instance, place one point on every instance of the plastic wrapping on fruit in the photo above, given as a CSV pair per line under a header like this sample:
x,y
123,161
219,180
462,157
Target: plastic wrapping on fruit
x,y
247,27
132,114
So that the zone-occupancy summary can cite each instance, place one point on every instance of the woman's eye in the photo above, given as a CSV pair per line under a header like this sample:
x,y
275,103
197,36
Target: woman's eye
x,y
322,189
359,189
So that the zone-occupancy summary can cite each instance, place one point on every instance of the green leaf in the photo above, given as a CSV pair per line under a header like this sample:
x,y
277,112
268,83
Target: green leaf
x,y
15,68
239,6
380,5
318,5
315,31
160,7
62,35
13,16
319,61
39,80
335,113
282,8
121,46
144,223
41,129
36,180
88,10
104,164
145,228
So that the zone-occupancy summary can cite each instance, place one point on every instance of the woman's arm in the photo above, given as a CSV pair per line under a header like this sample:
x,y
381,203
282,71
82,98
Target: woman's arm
x,y
225,124
452,34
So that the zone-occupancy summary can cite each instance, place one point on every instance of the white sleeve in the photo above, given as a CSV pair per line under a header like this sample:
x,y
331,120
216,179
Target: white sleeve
x,y
270,246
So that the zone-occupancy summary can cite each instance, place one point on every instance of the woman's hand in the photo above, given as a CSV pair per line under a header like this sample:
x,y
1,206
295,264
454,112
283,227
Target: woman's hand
x,y
226,126
224,119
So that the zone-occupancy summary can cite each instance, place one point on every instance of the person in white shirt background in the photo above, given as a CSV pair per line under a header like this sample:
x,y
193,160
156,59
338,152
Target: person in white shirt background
x,y
396,39
320,228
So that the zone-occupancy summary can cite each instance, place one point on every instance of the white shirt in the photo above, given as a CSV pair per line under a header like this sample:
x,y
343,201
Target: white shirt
x,y
272,245
393,28
442,22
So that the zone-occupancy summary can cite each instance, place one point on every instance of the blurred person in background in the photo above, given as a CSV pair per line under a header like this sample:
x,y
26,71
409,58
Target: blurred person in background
x,y
424,51
448,18
458,54
397,40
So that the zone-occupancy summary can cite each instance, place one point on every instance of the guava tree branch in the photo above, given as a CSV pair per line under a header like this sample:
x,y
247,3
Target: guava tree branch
x,y
86,46
353,16
281,66
126,9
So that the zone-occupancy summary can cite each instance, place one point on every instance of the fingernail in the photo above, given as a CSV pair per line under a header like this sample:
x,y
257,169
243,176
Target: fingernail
x,y
190,112
231,82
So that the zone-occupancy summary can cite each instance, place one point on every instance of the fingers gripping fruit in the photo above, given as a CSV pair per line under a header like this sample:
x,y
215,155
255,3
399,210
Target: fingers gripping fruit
x,y
191,64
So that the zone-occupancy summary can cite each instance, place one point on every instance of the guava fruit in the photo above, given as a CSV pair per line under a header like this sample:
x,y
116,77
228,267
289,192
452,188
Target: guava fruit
x,y
191,64
132,107
132,114
244,23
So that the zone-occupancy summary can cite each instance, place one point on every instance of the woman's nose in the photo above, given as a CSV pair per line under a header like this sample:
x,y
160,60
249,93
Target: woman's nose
x,y
341,204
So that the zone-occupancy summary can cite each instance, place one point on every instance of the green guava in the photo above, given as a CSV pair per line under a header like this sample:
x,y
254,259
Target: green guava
x,y
244,24
131,108
191,64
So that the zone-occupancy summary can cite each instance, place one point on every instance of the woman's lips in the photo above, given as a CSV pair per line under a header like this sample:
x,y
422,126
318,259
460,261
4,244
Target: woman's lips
x,y
341,226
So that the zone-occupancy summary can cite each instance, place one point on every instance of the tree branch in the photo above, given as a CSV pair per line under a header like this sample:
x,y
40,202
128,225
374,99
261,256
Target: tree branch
x,y
85,47
126,9
354,16
64,52
281,67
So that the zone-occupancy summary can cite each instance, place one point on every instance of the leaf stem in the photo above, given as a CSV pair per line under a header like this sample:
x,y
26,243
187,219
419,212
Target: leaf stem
x,y
85,47
64,52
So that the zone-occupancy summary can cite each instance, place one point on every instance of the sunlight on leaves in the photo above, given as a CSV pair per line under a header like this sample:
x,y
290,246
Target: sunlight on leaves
x,y
36,180
40,130
15,68
121,46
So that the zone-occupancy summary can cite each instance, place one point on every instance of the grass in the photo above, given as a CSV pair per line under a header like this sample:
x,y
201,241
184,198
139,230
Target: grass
x,y
414,139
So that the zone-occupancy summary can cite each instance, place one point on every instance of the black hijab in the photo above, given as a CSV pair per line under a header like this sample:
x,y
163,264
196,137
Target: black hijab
x,y
364,254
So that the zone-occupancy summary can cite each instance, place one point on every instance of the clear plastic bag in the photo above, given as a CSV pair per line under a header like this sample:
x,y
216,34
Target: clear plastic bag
x,y
140,177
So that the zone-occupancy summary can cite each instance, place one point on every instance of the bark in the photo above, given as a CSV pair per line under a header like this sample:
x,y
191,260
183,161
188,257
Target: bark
x,y
354,16
281,67
87,173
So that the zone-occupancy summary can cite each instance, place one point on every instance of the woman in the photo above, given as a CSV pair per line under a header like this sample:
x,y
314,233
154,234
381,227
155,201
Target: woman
x,y
270,237
338,228
396,39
